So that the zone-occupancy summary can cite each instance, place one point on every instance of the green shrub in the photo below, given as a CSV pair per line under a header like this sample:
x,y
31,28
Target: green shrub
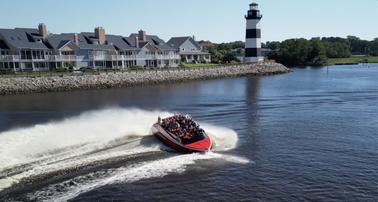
x,y
60,69
88,69
135,67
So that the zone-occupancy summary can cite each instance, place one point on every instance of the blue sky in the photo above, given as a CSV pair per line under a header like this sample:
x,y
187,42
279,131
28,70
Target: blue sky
x,y
215,20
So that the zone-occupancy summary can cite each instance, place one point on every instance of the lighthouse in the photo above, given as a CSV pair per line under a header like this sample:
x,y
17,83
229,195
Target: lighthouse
x,y
253,35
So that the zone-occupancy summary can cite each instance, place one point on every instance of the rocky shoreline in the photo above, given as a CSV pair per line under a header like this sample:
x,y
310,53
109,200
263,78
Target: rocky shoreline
x,y
22,85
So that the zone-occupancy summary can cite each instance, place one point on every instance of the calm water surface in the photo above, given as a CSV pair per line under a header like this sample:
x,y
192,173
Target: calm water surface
x,y
310,135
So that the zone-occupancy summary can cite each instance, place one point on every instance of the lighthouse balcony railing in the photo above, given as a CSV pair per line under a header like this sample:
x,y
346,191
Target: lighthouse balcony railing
x,y
253,16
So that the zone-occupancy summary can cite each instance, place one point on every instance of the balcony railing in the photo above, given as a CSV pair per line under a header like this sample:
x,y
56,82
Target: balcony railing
x,y
161,57
133,57
112,57
62,57
46,58
9,57
12,58
121,57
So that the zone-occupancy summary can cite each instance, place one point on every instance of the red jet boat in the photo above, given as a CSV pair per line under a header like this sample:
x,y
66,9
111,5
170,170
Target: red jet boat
x,y
182,134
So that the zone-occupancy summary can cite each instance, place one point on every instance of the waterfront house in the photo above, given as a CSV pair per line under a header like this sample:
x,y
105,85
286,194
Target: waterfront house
x,y
189,50
24,49
153,51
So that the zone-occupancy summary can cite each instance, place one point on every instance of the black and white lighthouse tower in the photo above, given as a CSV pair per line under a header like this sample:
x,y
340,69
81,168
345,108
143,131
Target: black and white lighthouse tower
x,y
253,35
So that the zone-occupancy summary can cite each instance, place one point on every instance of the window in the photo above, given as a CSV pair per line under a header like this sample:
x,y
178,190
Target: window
x,y
29,65
99,63
67,53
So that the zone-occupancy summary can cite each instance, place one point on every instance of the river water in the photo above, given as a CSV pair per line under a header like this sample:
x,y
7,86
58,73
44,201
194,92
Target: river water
x,y
310,135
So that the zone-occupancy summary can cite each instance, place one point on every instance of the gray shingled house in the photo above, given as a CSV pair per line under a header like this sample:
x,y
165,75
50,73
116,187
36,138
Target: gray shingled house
x,y
154,51
36,50
189,50
25,49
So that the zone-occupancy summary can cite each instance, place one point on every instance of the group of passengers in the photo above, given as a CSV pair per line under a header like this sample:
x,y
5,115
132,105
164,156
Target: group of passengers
x,y
181,126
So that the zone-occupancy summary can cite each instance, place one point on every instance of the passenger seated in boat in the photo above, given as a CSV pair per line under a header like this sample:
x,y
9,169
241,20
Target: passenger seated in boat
x,y
182,126
187,136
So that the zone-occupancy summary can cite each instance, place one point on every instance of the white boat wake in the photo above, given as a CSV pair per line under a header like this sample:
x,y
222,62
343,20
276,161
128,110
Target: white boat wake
x,y
91,137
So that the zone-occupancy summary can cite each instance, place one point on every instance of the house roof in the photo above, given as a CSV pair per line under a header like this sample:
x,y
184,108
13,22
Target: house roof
x,y
57,41
31,39
176,42
153,40
120,42
87,41
3,45
96,47
23,38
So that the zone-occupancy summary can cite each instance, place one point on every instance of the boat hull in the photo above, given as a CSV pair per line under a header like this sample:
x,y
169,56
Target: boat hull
x,y
173,142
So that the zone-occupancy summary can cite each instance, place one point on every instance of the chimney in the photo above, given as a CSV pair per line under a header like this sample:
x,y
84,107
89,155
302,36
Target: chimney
x,y
136,42
142,36
76,39
43,31
100,35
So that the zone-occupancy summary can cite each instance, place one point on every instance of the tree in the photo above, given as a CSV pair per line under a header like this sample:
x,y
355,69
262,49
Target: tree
x,y
272,45
337,49
317,55
293,52
373,47
358,46
228,58
222,53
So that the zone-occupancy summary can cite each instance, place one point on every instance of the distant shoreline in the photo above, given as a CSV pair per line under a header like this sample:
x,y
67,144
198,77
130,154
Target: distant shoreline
x,y
352,60
26,85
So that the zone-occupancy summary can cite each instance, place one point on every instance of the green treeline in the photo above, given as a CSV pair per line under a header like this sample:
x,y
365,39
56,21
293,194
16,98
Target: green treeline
x,y
315,52
225,52
298,52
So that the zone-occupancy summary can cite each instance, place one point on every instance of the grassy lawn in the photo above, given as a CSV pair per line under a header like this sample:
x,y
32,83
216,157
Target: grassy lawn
x,y
373,59
353,59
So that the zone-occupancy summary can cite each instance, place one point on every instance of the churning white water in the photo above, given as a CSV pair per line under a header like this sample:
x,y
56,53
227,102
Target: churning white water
x,y
92,137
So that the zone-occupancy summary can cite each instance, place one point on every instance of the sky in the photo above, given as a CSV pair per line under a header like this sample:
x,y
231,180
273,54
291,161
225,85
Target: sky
x,y
214,20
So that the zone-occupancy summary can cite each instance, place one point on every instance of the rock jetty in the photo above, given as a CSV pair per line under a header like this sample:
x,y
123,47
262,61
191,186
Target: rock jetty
x,y
21,85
